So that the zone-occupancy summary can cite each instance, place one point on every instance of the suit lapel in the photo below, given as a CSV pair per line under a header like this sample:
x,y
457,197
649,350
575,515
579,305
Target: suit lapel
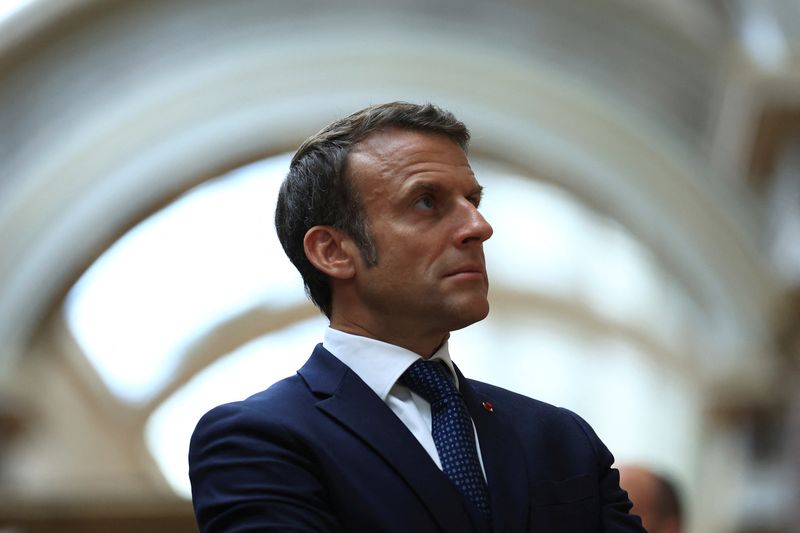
x,y
503,460
350,401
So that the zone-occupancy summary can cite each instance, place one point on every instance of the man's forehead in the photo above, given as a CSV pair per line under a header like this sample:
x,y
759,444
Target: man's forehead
x,y
390,149
385,141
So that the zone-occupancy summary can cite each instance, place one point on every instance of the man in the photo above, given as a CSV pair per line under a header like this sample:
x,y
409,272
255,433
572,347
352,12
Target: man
x,y
655,499
379,431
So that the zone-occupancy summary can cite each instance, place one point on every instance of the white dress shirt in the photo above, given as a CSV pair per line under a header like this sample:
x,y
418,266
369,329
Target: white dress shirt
x,y
380,365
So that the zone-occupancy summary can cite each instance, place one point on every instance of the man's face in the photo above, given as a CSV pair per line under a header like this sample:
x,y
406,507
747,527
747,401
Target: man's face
x,y
421,200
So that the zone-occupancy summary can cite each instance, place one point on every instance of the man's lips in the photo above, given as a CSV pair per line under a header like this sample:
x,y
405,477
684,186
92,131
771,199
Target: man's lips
x,y
467,271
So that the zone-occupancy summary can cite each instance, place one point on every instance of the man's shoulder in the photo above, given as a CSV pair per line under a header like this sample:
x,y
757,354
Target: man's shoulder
x,y
557,429
286,396
291,387
522,407
282,397
514,399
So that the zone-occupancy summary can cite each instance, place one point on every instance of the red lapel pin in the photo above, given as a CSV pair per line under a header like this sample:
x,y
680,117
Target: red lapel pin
x,y
488,406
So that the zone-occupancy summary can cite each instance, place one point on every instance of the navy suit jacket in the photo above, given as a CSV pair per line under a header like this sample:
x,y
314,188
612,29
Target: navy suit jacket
x,y
320,452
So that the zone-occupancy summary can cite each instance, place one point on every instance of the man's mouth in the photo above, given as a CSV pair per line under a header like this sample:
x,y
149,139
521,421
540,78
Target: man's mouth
x,y
467,272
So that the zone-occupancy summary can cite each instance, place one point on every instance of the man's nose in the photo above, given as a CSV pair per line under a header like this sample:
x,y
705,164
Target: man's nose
x,y
474,226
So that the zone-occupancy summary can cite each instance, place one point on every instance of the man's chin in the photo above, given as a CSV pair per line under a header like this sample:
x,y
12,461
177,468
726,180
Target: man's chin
x,y
468,315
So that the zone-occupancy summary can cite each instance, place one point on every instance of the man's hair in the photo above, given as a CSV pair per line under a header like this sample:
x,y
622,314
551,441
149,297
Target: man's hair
x,y
319,191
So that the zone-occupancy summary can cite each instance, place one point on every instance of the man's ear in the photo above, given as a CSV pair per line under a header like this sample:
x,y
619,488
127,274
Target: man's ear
x,y
328,249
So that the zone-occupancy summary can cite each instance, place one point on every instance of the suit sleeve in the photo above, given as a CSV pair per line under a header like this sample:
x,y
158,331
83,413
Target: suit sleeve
x,y
614,503
251,474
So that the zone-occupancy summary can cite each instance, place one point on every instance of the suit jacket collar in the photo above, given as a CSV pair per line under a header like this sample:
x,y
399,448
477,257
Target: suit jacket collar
x,y
379,364
345,397
503,459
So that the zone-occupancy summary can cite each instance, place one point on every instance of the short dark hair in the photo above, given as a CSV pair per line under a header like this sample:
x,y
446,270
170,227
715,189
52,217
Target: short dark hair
x,y
318,191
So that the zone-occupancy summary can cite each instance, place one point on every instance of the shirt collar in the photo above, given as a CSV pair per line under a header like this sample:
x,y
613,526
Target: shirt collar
x,y
378,364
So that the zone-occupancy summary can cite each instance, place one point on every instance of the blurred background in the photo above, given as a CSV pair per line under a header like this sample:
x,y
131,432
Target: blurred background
x,y
641,160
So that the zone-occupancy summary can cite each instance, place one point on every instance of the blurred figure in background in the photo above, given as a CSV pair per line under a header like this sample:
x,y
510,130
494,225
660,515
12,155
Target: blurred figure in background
x,y
655,499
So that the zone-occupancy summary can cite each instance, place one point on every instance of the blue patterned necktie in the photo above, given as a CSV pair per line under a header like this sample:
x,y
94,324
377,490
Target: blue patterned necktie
x,y
451,428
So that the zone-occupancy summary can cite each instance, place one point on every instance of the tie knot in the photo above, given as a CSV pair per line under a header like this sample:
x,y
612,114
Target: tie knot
x,y
429,379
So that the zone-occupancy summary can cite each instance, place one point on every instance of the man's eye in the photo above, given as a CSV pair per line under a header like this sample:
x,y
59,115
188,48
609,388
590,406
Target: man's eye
x,y
426,202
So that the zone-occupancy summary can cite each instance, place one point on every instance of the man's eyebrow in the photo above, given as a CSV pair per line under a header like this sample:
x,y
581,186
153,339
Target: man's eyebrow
x,y
423,186
477,191
432,187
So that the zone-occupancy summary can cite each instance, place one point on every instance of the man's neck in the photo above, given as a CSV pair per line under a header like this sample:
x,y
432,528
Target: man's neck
x,y
423,345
